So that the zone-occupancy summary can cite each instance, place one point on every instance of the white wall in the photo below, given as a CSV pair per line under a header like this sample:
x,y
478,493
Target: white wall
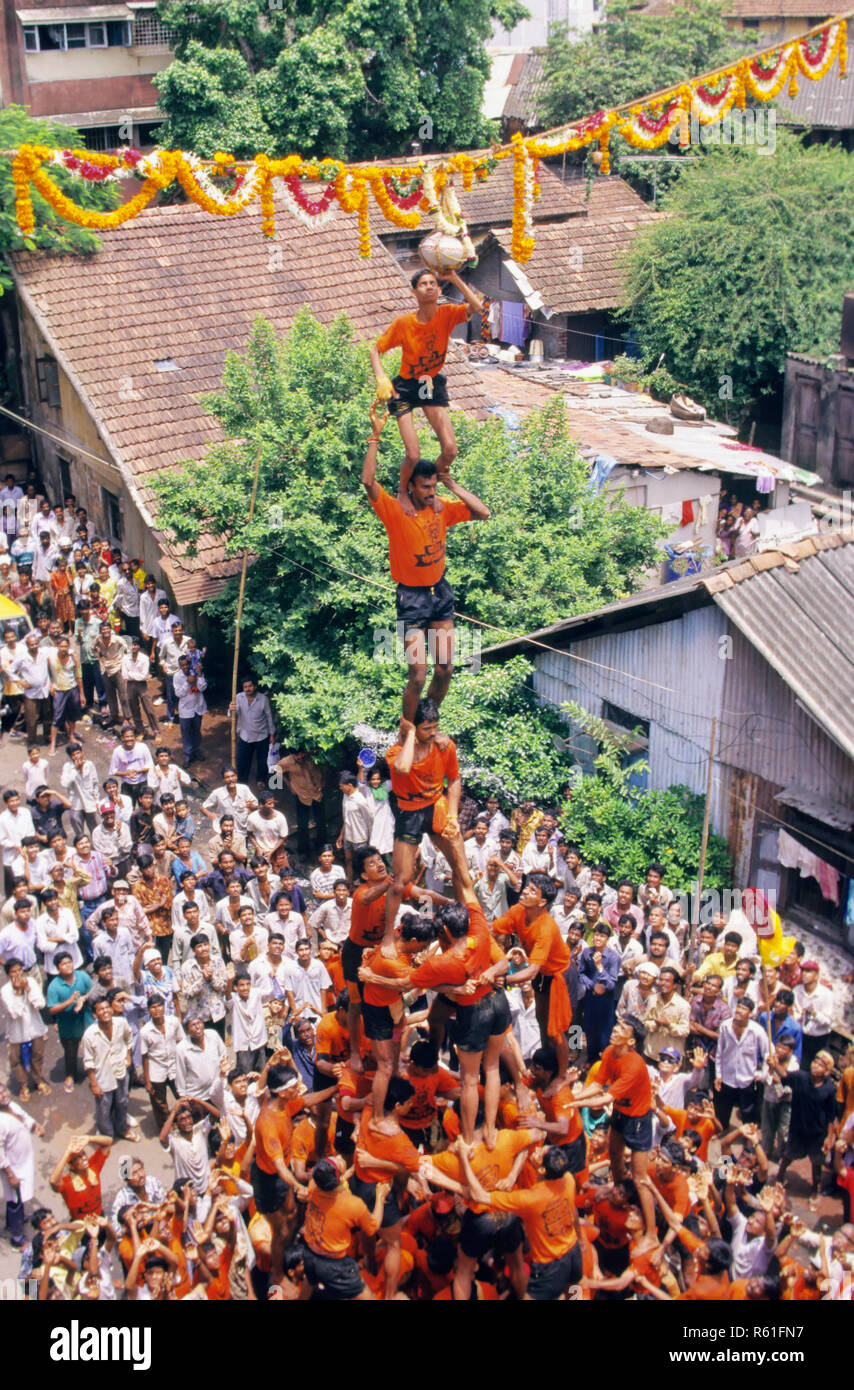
x,y
534,32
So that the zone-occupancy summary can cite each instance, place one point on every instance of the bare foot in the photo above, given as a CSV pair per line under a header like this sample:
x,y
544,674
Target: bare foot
x,y
356,1064
406,502
490,1136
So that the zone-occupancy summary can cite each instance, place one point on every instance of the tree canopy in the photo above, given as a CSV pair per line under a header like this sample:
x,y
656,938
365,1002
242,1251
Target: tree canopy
x,y
51,233
347,79
632,54
319,611
750,262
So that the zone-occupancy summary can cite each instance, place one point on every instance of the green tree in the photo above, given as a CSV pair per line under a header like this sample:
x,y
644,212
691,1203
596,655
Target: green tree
x,y
347,79
627,834
632,54
319,600
51,233
750,262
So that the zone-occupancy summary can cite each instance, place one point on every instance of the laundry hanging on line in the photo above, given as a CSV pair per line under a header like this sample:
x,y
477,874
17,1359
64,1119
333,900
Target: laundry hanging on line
x,y
793,855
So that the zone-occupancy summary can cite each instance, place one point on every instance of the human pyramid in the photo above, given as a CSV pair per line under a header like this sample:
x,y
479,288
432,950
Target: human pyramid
x,y
469,1091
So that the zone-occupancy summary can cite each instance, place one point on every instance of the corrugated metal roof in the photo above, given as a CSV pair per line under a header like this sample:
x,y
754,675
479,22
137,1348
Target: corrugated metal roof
x,y
819,807
828,103
802,622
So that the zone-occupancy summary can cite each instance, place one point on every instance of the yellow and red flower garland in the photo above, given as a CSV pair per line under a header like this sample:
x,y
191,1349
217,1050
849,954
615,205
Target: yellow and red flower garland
x,y
404,192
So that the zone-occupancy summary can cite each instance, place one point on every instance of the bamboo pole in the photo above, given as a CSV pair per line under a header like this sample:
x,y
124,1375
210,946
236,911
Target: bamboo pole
x,y
704,843
240,598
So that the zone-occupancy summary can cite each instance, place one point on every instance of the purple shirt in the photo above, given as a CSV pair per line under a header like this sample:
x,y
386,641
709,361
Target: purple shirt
x,y
711,1017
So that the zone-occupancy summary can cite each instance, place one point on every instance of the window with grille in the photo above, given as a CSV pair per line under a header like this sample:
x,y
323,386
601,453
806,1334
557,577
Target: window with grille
x,y
103,138
147,29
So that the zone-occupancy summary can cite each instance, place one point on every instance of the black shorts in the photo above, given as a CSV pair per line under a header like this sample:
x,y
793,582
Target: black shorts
x,y
635,1129
576,1154
547,1282
422,1135
490,1230
474,1024
412,393
271,1191
419,605
378,1022
392,1213
351,959
320,1080
334,1279
410,826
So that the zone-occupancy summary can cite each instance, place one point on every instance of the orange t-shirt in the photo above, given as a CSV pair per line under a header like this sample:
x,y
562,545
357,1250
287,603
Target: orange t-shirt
x,y
304,1141
422,1109
486,1293
335,972
330,1219
396,969
556,1107
453,969
367,920
628,1081
219,1288
705,1128
612,1224
424,783
394,1148
709,1288
332,1042
675,1190
424,345
548,1215
273,1132
416,544
541,939
82,1191
488,1165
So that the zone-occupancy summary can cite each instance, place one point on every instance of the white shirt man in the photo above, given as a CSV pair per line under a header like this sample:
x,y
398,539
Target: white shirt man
x,y
274,977
120,951
127,596
9,499
136,669
357,813
740,1059
813,1007
198,1069
239,805
161,1048
310,981
30,668
148,610
536,860
248,1025
106,1056
14,825
254,717
268,832
332,918
523,1012
21,1012
44,559
58,934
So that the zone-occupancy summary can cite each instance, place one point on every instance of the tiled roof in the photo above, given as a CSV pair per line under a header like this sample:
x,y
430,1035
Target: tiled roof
x,y
177,283
522,104
574,284
490,204
754,9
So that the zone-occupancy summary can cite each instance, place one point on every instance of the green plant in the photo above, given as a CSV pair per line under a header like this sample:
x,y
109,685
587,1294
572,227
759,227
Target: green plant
x,y
660,384
625,368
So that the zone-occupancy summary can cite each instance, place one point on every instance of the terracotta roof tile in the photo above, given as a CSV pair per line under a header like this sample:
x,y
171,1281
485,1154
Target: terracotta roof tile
x,y
577,265
112,314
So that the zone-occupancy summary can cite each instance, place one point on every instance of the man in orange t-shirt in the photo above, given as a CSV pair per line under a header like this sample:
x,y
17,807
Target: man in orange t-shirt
x,y
420,766
551,1224
416,548
483,1230
423,338
385,1154
332,1217
273,1183
623,1079
548,957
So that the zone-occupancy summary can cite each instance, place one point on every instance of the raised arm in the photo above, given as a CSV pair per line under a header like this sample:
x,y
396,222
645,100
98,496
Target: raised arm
x,y
369,467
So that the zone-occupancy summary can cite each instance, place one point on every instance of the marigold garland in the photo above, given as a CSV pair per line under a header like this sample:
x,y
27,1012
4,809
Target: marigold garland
x,y
403,193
